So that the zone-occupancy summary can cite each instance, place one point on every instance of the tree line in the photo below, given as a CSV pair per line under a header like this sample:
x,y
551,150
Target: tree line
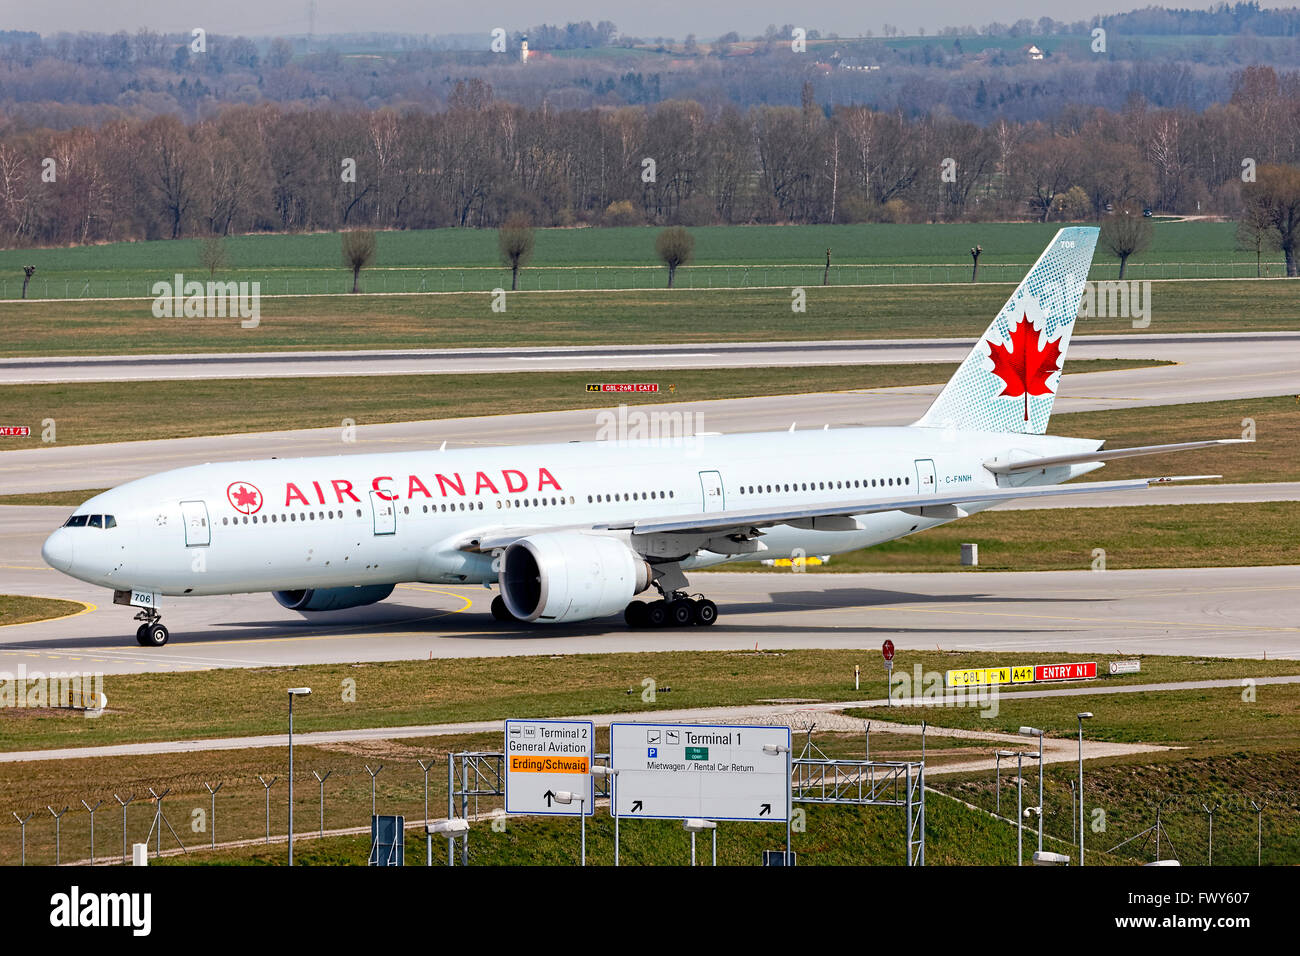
x,y
251,169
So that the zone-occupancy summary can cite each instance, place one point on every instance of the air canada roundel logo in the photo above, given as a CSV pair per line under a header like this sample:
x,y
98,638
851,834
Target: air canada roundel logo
x,y
244,498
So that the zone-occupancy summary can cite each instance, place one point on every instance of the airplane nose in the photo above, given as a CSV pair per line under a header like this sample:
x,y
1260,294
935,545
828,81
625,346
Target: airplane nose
x,y
57,550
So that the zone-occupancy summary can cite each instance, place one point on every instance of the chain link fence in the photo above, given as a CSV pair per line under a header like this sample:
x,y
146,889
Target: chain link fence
x,y
606,278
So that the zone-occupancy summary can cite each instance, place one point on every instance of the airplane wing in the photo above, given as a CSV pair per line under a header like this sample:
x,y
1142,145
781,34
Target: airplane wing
x,y
1087,457
838,516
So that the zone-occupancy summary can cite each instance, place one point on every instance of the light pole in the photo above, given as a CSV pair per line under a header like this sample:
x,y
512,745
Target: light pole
x,y
293,692
775,749
694,826
1086,715
1035,732
451,828
1020,755
1259,832
566,797
997,776
612,774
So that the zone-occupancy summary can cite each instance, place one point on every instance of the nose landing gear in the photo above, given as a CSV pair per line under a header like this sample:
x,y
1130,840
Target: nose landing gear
x,y
151,633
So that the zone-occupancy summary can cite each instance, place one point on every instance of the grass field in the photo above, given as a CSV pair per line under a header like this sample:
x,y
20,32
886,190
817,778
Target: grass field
x,y
239,702
1229,750
296,256
87,413
22,609
1162,536
588,318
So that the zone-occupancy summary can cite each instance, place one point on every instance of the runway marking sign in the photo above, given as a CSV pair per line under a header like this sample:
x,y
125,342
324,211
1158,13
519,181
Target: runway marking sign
x,y
1020,674
700,771
544,757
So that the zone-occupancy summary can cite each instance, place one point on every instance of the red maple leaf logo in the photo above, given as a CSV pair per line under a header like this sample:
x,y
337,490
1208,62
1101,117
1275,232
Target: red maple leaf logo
x,y
244,497
1024,367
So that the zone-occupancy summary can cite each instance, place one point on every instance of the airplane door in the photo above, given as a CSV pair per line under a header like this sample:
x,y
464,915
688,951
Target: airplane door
x,y
925,480
711,489
385,513
195,516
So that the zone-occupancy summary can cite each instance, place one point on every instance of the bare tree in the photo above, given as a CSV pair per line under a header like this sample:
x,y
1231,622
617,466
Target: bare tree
x,y
1254,233
358,252
675,247
515,239
213,255
1126,233
1274,197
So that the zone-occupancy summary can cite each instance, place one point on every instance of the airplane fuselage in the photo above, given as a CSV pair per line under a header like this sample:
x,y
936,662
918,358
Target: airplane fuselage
x,y
369,519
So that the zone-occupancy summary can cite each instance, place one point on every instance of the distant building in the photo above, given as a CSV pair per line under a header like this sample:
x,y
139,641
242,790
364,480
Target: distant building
x,y
1033,52
523,51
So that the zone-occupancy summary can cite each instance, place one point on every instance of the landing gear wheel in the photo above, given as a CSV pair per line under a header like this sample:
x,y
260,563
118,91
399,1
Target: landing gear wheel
x,y
635,615
681,613
155,635
140,634
656,613
500,612
706,612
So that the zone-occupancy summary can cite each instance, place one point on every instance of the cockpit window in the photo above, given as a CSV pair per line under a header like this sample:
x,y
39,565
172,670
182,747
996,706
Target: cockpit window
x,y
91,521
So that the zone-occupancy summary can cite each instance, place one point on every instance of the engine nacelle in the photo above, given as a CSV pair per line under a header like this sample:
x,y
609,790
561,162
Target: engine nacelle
x,y
570,576
332,599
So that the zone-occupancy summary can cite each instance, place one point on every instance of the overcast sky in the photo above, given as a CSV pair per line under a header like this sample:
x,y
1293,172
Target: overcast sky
x,y
674,18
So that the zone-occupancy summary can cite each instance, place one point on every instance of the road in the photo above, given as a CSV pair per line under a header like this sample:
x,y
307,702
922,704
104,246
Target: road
x,y
1213,367
1208,351
1223,612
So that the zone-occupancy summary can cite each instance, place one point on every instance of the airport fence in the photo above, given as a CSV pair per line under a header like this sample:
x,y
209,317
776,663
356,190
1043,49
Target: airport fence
x,y
336,792
605,278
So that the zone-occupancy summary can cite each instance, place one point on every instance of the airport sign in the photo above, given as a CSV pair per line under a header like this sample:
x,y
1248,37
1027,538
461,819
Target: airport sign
x,y
1020,674
1125,667
701,771
548,757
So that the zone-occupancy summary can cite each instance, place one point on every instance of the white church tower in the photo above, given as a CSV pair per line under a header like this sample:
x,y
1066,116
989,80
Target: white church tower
x,y
523,51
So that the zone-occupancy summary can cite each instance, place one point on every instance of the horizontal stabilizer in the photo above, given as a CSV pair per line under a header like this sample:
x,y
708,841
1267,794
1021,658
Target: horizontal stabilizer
x,y
1088,457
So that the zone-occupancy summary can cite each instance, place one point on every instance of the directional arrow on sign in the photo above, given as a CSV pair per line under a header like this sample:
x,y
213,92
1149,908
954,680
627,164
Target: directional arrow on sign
x,y
549,795
636,805
765,809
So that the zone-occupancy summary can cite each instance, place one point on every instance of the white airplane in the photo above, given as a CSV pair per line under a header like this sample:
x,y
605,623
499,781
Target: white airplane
x,y
571,532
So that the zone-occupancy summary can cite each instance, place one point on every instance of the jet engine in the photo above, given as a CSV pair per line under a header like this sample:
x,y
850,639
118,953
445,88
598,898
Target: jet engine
x,y
332,599
570,576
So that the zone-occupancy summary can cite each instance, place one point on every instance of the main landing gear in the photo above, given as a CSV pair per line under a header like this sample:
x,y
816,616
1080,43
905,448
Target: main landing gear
x,y
676,610
151,633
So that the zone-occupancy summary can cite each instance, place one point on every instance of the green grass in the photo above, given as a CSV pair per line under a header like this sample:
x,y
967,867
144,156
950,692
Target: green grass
x,y
22,609
239,702
834,836
589,318
448,260
1144,536
1273,456
108,411
69,499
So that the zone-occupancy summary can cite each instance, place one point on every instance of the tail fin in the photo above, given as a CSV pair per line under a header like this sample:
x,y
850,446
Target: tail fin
x,y
1008,381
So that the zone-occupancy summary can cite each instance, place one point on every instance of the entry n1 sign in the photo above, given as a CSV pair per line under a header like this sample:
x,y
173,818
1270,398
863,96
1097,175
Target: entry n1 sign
x,y
546,757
